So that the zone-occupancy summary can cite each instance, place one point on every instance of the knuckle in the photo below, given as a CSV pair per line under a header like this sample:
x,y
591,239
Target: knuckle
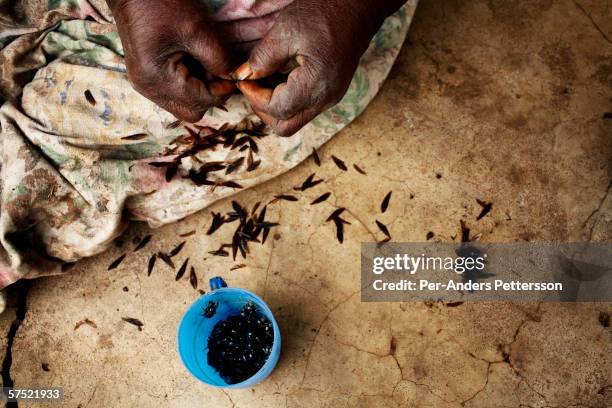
x,y
260,57
282,111
285,129
183,112
191,28
266,53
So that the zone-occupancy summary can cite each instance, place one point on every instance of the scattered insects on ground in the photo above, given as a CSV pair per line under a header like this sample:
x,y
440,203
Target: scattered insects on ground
x,y
339,163
251,163
143,243
310,182
335,214
486,208
229,184
385,202
321,198
207,138
134,321
176,249
465,232
220,252
250,226
193,278
315,157
383,228
116,262
338,222
86,321
285,197
182,270
235,165
359,170
217,221
151,264
339,229
167,260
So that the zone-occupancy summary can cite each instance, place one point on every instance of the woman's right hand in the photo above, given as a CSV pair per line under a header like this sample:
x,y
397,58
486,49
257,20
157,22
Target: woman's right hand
x,y
173,55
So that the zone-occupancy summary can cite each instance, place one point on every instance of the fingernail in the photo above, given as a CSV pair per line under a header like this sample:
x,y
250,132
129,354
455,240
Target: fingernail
x,y
243,72
220,88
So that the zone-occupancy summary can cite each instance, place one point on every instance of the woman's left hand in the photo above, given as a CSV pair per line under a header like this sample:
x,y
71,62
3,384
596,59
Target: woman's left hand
x,y
326,38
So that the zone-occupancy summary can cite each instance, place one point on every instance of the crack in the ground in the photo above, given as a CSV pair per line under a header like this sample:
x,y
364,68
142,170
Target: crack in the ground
x,y
229,398
603,35
596,210
318,330
21,288
507,353
531,317
265,288
306,290
481,389
355,216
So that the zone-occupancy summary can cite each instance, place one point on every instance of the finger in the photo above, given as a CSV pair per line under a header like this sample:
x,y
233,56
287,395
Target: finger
x,y
206,47
221,88
198,92
287,99
257,95
186,96
243,73
186,110
289,127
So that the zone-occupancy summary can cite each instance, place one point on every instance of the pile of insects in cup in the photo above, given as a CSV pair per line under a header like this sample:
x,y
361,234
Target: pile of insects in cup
x,y
240,345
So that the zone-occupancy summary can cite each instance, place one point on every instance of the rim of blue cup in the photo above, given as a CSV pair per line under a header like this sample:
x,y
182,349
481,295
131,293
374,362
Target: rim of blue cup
x,y
275,345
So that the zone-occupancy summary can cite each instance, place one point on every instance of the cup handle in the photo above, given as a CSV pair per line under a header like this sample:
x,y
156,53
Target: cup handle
x,y
216,283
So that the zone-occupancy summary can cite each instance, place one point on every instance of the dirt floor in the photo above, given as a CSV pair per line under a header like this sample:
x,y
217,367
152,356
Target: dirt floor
x,y
502,101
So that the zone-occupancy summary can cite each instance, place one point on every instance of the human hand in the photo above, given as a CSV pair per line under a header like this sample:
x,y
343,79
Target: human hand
x,y
173,55
326,38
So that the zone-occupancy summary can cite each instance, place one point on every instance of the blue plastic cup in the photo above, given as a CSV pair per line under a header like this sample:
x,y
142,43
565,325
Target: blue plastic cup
x,y
195,329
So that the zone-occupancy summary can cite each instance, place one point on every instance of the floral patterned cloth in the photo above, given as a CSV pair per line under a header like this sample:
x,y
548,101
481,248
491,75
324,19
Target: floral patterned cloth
x,y
76,139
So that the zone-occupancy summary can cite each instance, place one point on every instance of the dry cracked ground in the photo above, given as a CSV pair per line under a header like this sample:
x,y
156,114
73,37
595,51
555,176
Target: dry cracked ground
x,y
502,101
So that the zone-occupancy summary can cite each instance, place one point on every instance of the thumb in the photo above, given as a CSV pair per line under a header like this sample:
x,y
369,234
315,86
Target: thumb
x,y
269,57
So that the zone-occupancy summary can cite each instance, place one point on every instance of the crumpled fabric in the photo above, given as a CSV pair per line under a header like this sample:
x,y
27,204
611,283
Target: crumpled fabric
x,y
76,140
